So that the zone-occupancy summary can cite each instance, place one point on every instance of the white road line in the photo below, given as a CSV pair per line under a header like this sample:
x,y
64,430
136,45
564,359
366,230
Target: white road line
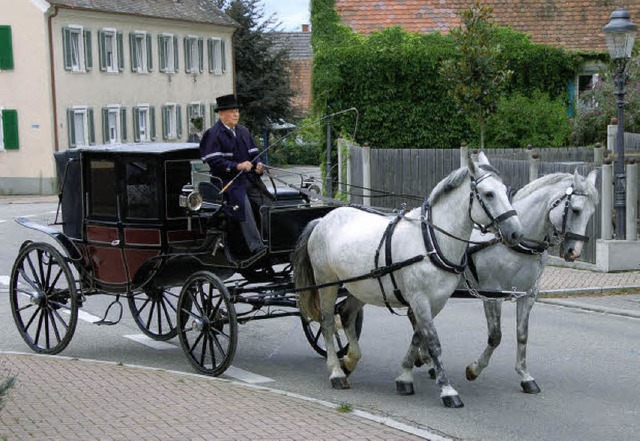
x,y
147,341
85,316
246,376
4,280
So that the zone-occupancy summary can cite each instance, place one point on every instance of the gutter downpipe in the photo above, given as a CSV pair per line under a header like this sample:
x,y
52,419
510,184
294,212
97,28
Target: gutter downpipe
x,y
53,80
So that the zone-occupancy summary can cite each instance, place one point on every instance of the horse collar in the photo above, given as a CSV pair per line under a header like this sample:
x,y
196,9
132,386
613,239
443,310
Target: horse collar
x,y
432,247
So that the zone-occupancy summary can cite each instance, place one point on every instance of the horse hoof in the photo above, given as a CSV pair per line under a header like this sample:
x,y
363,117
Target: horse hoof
x,y
346,371
404,388
432,373
340,383
418,363
452,401
470,374
530,387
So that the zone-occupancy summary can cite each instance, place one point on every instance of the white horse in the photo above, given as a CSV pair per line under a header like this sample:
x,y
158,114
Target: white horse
x,y
349,244
558,204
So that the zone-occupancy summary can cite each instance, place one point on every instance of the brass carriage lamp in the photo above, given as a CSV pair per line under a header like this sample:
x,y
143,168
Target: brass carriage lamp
x,y
620,34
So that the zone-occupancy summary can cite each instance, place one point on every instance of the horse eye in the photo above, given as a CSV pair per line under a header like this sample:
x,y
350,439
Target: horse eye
x,y
575,211
488,195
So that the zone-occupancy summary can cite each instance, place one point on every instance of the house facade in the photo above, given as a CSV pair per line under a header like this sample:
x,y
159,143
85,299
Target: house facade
x,y
83,72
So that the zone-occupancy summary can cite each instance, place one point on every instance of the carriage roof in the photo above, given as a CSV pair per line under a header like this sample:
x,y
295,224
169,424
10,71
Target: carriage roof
x,y
141,148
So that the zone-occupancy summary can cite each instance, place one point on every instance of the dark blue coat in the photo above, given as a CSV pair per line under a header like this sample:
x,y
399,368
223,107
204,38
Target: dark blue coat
x,y
223,150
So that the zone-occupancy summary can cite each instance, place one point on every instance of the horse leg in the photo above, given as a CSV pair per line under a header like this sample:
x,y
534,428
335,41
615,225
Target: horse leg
x,y
348,314
428,337
492,312
404,381
421,358
328,298
523,309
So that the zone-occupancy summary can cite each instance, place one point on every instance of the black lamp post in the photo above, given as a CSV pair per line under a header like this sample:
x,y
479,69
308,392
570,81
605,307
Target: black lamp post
x,y
620,35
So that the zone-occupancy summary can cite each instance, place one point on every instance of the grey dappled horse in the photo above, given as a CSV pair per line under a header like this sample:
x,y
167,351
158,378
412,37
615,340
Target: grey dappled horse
x,y
346,244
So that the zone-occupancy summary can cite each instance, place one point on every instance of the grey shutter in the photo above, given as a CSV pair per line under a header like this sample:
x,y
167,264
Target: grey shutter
x,y
120,51
210,54
71,128
149,54
88,51
152,122
202,111
176,58
132,52
161,55
200,55
136,124
105,125
223,56
178,121
66,44
123,123
92,126
212,110
6,48
187,49
165,122
102,52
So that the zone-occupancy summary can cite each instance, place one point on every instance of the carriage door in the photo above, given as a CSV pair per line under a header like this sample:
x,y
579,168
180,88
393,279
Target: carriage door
x,y
102,220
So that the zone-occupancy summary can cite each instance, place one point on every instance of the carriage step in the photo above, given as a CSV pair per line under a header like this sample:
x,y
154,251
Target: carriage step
x,y
104,321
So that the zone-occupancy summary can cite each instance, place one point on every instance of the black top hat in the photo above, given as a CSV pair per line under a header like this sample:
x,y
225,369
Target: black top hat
x,y
226,102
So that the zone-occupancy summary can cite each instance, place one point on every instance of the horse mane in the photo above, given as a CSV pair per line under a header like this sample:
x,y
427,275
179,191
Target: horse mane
x,y
451,182
555,178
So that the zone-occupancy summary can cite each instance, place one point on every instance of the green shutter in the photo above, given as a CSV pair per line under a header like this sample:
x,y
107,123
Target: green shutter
x,y
136,124
178,121
10,129
66,44
186,54
92,127
123,123
223,56
149,54
152,122
120,51
161,55
102,52
200,55
132,52
6,48
212,114
176,59
88,52
71,129
105,125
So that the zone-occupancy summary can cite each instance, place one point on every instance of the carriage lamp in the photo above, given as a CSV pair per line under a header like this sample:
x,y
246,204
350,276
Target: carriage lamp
x,y
620,35
190,198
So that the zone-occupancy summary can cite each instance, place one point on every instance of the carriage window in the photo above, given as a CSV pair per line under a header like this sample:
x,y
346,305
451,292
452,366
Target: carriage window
x,y
102,190
178,173
142,197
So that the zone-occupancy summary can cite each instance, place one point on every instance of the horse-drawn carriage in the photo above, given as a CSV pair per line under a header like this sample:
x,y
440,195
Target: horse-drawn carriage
x,y
140,223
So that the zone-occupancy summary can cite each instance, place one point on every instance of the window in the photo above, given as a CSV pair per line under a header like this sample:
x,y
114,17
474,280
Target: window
x,y
102,188
171,121
80,126
6,48
111,50
193,55
144,123
195,110
76,43
217,57
9,129
114,124
142,182
140,48
168,53
213,113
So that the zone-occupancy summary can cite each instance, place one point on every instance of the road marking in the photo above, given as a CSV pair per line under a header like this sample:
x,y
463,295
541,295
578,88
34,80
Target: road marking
x,y
148,341
4,280
85,316
246,376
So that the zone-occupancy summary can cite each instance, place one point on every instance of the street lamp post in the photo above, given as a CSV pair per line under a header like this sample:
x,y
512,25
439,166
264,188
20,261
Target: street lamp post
x,y
620,35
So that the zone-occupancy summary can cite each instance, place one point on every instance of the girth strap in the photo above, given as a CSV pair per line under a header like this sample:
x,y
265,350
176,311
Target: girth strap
x,y
386,239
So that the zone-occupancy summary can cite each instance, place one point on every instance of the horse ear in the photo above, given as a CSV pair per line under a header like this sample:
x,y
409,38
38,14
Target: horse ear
x,y
592,177
576,179
473,168
482,159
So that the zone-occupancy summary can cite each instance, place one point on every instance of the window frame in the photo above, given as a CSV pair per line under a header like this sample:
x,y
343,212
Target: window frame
x,y
168,52
140,52
88,126
117,49
148,113
76,38
216,51
193,54
171,121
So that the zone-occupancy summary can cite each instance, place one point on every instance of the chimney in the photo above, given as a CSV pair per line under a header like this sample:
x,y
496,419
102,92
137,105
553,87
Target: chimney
x,y
305,28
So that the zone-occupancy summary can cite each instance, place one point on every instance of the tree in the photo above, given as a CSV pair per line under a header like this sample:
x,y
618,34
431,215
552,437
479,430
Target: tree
x,y
262,81
478,77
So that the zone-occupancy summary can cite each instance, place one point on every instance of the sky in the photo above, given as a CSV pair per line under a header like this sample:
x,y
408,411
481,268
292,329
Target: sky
x,y
292,13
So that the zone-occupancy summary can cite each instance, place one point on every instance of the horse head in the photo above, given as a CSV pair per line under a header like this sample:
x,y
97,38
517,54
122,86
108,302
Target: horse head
x,y
490,208
570,213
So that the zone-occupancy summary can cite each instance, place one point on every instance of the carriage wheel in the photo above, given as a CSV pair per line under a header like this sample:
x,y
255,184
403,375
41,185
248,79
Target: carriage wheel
x,y
207,324
43,298
313,332
154,311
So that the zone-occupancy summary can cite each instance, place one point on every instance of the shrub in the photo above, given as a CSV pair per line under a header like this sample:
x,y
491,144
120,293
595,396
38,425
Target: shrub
x,y
521,120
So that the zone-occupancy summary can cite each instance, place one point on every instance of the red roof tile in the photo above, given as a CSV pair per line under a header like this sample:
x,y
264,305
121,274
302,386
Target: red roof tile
x,y
573,24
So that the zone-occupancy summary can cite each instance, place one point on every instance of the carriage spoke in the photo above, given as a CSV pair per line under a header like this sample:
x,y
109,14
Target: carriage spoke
x,y
150,317
46,328
166,312
54,326
39,328
30,322
33,284
203,352
213,352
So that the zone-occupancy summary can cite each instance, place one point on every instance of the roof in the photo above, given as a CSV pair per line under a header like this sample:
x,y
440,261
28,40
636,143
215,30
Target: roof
x,y
572,24
153,148
201,11
297,43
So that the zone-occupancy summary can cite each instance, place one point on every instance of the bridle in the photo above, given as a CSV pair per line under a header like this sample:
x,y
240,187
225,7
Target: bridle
x,y
563,233
475,195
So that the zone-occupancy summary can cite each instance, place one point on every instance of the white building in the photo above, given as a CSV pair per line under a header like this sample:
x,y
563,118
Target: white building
x,y
81,72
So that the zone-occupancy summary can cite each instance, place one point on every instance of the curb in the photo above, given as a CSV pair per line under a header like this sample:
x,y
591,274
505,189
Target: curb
x,y
591,308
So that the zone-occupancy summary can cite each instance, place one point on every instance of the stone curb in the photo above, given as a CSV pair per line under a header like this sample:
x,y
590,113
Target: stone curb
x,y
592,308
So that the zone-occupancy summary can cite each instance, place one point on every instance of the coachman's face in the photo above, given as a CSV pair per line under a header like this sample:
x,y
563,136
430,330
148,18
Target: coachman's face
x,y
229,117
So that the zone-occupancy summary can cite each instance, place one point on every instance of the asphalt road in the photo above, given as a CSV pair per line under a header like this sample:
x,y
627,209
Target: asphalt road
x,y
585,363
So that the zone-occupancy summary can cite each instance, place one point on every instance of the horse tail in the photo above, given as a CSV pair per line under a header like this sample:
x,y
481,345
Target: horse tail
x,y
308,299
